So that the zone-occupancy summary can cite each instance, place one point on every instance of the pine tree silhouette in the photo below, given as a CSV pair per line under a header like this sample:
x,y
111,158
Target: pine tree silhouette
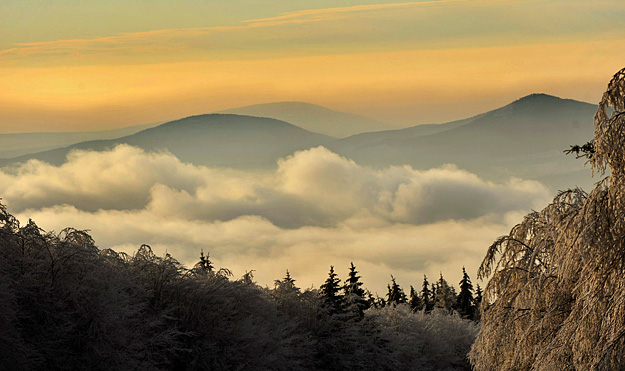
x,y
415,301
465,301
355,300
427,295
395,293
331,293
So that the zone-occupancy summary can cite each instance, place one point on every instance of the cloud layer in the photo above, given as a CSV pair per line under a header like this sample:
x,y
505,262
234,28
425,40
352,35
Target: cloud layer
x,y
316,209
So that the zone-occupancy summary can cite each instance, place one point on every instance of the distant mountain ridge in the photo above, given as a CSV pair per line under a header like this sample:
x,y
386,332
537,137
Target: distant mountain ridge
x,y
19,144
313,118
523,139
210,139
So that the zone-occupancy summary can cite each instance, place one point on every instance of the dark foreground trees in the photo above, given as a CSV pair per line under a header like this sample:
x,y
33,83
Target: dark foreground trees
x,y
556,299
67,305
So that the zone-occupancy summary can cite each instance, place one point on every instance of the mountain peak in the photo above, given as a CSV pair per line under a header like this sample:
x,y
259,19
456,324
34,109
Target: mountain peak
x,y
313,117
540,103
538,97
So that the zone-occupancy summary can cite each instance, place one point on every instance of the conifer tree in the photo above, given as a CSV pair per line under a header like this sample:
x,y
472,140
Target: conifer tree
x,y
427,295
444,295
355,301
286,285
205,264
478,297
333,300
395,293
477,304
415,301
206,268
465,301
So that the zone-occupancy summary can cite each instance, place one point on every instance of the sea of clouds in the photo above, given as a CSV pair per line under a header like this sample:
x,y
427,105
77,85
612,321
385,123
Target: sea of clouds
x,y
315,210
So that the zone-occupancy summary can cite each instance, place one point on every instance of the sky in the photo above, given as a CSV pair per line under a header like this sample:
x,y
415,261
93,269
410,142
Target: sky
x,y
73,65
81,65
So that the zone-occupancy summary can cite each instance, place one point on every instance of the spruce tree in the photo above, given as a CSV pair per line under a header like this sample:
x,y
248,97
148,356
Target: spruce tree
x,y
285,287
465,301
477,304
286,282
444,295
205,265
333,300
478,297
427,295
395,293
415,301
355,297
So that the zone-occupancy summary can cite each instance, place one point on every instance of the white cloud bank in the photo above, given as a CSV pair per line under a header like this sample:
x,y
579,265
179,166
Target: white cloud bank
x,y
316,209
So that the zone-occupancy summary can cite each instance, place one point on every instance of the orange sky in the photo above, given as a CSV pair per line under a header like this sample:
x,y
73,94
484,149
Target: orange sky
x,y
401,63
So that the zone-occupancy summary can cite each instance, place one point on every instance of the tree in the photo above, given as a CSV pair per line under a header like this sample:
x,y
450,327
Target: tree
x,y
205,264
206,268
477,301
395,293
477,304
427,295
415,301
330,291
444,295
555,296
465,300
355,301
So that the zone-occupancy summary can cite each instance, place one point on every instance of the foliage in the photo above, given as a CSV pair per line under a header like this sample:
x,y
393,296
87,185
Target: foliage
x,y
465,303
427,295
395,293
67,305
355,301
436,341
330,291
415,301
555,299
444,295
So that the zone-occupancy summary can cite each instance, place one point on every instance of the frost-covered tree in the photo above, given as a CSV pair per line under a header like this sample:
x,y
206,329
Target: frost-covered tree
x,y
444,295
555,299
425,341
354,298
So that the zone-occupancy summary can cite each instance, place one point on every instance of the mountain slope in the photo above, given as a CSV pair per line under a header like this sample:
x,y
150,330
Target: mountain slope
x,y
19,144
371,138
524,139
313,118
213,140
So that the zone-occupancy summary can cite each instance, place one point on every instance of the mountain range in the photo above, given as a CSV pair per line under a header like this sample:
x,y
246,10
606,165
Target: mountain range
x,y
213,139
19,144
312,117
524,139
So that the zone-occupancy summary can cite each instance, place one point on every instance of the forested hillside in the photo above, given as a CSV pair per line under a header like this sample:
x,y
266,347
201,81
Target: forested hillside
x,y
67,305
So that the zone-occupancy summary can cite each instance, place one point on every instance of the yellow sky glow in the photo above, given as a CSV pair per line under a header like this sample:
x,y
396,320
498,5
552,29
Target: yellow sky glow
x,y
401,63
